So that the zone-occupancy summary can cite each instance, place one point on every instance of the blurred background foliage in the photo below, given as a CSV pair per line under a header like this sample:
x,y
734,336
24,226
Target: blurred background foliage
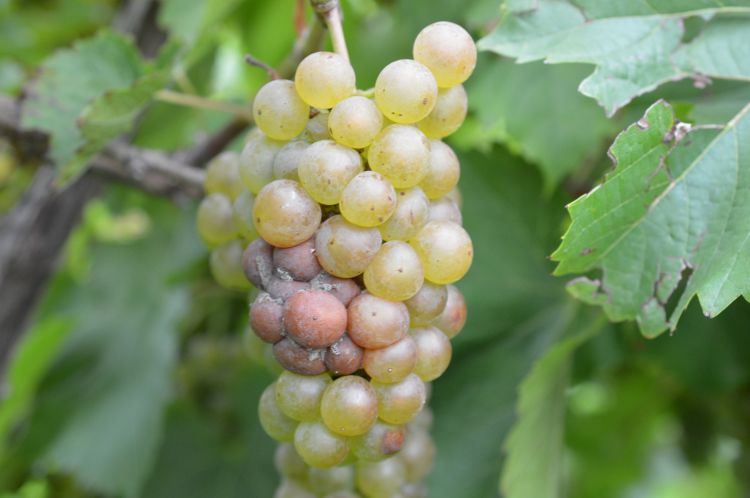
x,y
138,378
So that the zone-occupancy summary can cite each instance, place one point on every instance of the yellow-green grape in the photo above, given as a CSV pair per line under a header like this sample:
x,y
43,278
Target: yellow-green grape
x,y
443,173
242,212
395,272
423,421
433,352
278,111
226,266
381,441
405,91
223,175
287,160
448,51
317,127
368,200
399,402
292,489
455,196
411,213
324,78
327,168
448,114
445,250
323,482
355,122
318,446
344,250
284,214
392,363
380,479
401,154
453,317
298,396
256,160
272,419
445,209
417,454
427,304
289,464
215,221
349,406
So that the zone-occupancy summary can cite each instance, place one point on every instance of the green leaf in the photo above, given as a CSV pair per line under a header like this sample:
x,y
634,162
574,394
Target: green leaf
x,y
673,212
187,20
635,48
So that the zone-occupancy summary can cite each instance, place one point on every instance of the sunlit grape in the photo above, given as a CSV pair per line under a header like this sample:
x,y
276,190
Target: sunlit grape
x,y
343,249
401,154
410,215
284,214
445,250
448,51
287,160
368,200
355,122
448,114
405,91
327,169
376,323
433,352
323,79
443,172
395,272
278,111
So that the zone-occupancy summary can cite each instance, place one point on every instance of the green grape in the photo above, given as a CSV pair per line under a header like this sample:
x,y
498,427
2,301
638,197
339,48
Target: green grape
x,y
326,169
223,175
417,454
287,160
355,122
423,420
381,441
343,249
376,323
242,214
401,154
256,160
443,173
380,479
327,481
399,402
391,363
445,209
368,200
272,419
349,406
445,250
289,464
448,51
453,316
317,127
448,114
433,352
278,110
323,79
318,446
410,215
284,214
291,489
299,396
215,220
427,304
226,266
395,272
405,91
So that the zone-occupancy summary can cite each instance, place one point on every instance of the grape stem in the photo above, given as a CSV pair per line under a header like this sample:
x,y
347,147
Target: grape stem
x,y
330,11
198,102
254,61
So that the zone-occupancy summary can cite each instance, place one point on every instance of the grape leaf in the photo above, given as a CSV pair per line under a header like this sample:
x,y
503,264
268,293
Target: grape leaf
x,y
673,212
635,48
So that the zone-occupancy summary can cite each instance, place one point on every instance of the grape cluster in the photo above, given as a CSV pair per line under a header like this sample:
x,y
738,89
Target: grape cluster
x,y
342,210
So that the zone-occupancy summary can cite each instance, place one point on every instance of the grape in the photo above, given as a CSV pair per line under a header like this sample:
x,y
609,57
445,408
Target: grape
x,y
257,262
399,402
423,420
380,479
315,319
445,209
413,490
223,175
284,214
266,318
344,289
343,249
349,406
355,122
343,494
391,363
327,168
289,464
242,214
381,441
343,357
442,175
417,454
448,51
226,266
405,91
286,162
256,160
395,272
453,317
297,359
215,220
433,352
410,215
299,396
427,304
290,489
448,114
326,481
299,262
402,154
376,323
368,200
323,79
318,446
272,419
445,250
283,289
278,110
317,127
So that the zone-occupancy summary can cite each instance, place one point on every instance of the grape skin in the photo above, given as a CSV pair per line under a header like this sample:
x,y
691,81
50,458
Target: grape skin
x,y
349,406
417,454
323,79
299,262
287,160
427,304
399,402
380,479
391,363
343,357
299,396
405,91
443,172
343,249
266,318
223,175
278,111
448,51
317,127
395,272
327,481
256,160
272,419
355,122
448,114
226,266
284,214
381,441
314,319
257,262
318,446
453,317
410,215
368,200
289,464
445,250
445,209
401,153
215,220
344,289
242,215
433,352
297,359
327,169
376,323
